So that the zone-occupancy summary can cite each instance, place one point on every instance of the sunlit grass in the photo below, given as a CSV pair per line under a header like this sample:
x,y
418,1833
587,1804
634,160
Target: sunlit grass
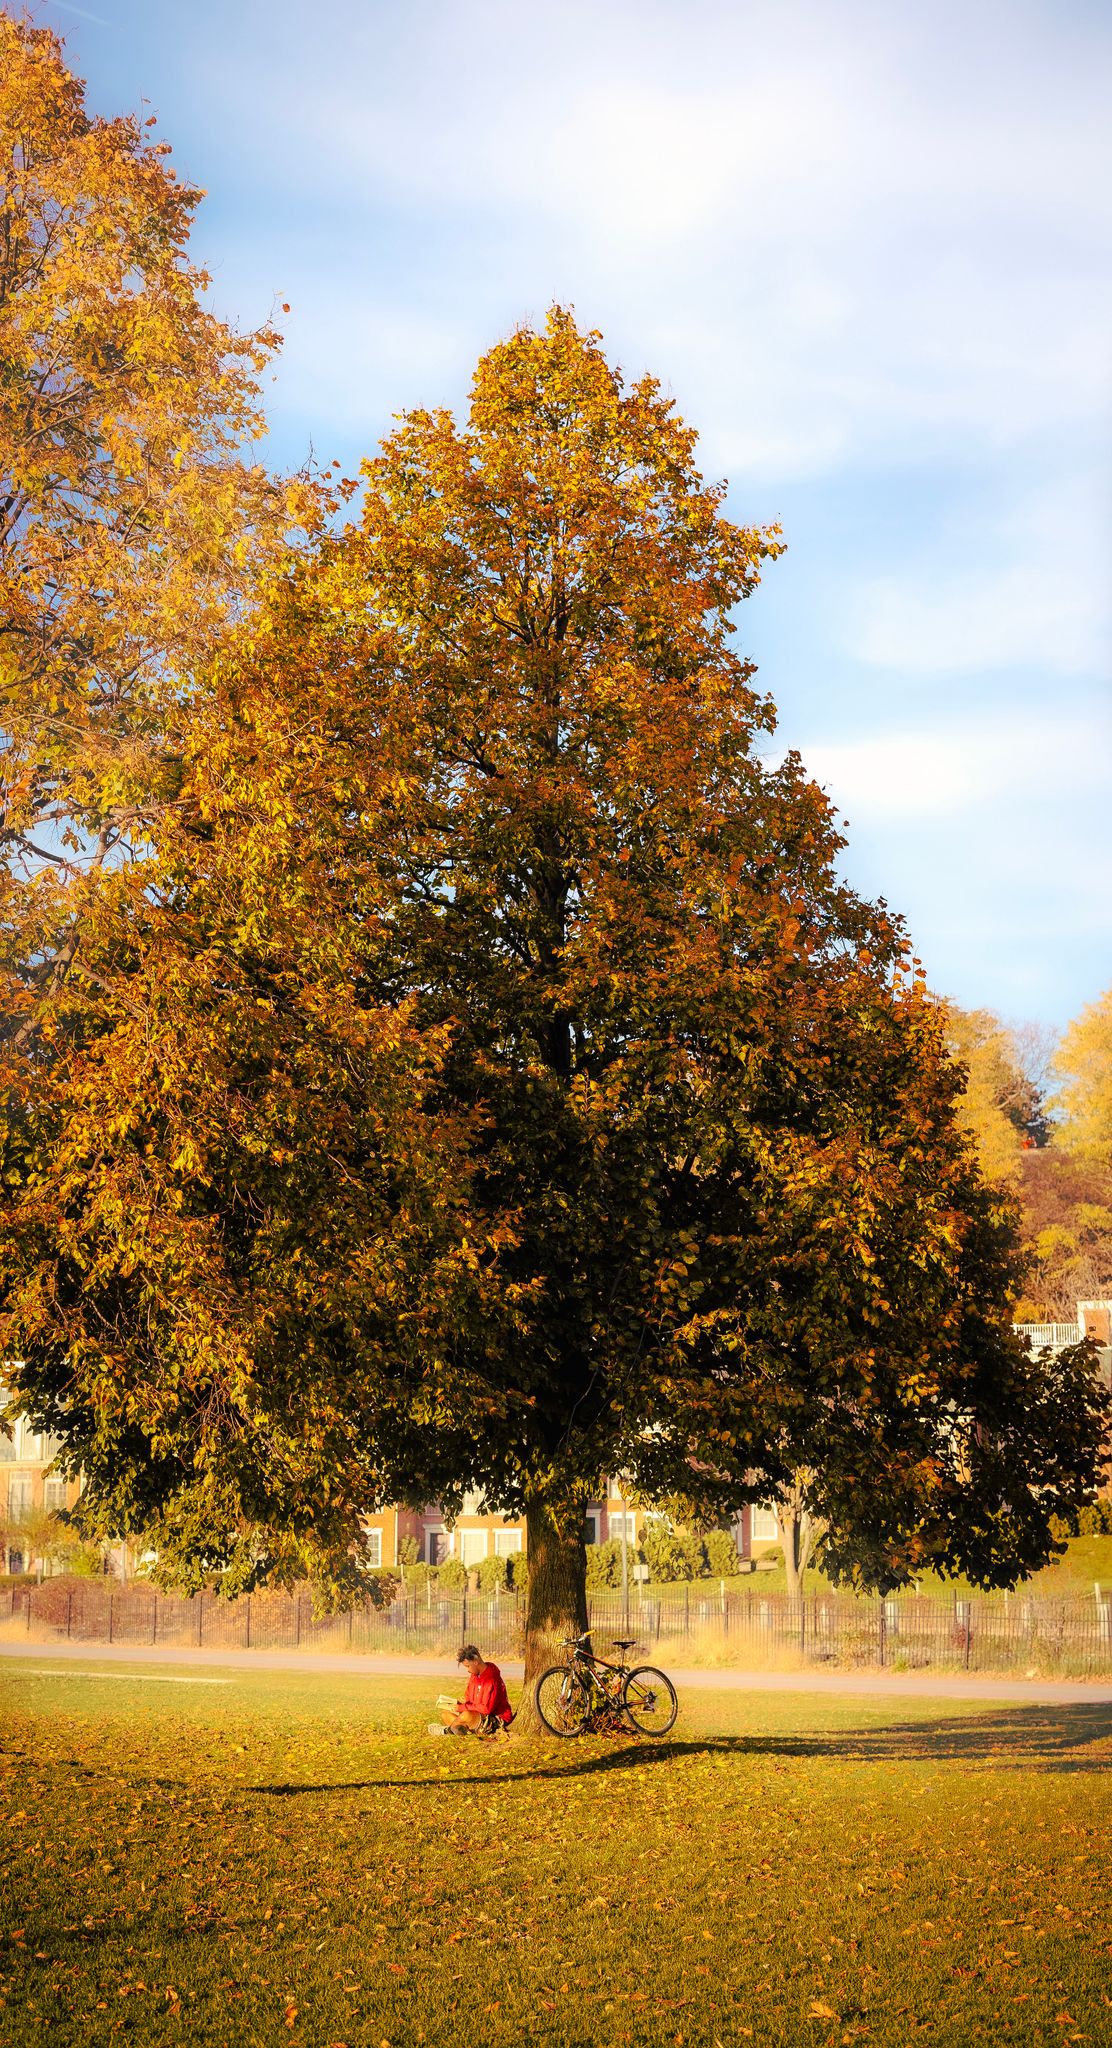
x,y
1085,1560
284,1858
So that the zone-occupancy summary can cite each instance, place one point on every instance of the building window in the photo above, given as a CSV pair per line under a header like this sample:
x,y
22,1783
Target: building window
x,y
373,1541
19,1496
438,1545
507,1542
473,1545
54,1494
762,1526
592,1526
616,1520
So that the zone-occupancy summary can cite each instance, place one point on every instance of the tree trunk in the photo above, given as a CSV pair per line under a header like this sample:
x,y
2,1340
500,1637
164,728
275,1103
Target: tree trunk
x,y
557,1602
789,1523
798,1535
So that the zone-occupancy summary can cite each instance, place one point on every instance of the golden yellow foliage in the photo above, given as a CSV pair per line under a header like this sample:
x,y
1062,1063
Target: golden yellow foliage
x,y
1083,1063
130,523
998,1103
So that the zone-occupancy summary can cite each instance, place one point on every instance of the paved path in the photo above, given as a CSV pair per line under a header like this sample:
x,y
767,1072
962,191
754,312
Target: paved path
x,y
893,1685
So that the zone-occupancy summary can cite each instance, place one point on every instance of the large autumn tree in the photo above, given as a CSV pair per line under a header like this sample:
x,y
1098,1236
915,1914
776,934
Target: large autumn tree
x,y
131,520
496,1087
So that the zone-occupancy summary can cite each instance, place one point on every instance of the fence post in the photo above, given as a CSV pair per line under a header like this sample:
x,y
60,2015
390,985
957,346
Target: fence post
x,y
28,1610
200,1616
882,1625
247,1624
297,1621
463,1623
69,1614
351,1624
968,1630
686,1608
111,1612
154,1619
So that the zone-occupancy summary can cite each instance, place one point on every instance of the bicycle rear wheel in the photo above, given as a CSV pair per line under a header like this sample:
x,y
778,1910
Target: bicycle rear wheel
x,y
649,1701
563,1702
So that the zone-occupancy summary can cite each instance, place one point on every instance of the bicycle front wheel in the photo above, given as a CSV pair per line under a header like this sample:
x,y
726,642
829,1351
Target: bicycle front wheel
x,y
562,1701
649,1701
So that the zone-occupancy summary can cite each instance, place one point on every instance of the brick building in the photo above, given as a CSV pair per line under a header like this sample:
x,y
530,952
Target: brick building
x,y
477,1533
27,1486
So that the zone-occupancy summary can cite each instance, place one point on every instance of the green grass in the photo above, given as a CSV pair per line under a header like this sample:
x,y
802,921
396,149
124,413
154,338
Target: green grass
x,y
1085,1559
282,1858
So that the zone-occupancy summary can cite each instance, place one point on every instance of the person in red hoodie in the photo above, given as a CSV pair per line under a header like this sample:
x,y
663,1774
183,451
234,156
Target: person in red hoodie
x,y
484,1708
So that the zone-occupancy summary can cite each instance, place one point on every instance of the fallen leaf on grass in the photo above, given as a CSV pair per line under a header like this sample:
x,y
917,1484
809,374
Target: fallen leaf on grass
x,y
819,2011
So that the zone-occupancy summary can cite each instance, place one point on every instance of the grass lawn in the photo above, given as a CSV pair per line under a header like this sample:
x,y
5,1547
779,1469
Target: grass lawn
x,y
1085,1559
282,1858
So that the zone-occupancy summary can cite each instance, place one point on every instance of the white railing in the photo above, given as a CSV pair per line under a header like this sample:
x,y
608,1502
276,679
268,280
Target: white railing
x,y
1049,1336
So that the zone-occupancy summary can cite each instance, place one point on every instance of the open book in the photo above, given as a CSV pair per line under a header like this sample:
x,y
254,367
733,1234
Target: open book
x,y
444,1699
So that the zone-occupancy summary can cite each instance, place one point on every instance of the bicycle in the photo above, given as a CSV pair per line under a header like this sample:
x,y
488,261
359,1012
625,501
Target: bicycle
x,y
586,1693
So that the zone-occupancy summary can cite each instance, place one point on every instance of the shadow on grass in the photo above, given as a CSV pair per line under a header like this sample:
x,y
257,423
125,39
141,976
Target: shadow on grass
x,y
1053,1739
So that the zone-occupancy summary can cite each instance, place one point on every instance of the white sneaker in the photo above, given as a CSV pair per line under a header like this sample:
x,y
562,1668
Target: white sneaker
x,y
437,1728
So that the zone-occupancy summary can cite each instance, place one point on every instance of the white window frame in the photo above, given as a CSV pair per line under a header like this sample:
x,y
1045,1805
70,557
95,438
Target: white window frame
x,y
468,1538
762,1525
594,1517
507,1542
51,1486
20,1482
614,1520
432,1531
373,1540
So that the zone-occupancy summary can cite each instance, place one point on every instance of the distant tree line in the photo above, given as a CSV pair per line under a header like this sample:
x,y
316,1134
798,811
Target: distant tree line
x,y
1040,1111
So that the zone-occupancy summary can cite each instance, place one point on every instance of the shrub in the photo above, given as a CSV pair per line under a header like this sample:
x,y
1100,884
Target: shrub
x,y
518,1571
451,1576
604,1564
382,1586
494,1574
670,1555
409,1551
723,1561
1093,1520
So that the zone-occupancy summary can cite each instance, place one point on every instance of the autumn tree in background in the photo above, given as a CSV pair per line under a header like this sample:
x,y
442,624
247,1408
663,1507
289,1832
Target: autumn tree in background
x,y
1083,1099
999,1103
1042,1146
1067,1187
131,522
495,1086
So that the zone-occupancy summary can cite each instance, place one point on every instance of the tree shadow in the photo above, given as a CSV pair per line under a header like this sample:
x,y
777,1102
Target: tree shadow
x,y
1037,1738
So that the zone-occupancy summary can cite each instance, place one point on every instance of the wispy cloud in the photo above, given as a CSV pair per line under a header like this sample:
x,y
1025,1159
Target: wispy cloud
x,y
868,247
918,772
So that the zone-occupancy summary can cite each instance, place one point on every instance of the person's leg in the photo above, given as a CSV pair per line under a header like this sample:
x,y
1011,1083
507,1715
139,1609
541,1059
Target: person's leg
x,y
463,1721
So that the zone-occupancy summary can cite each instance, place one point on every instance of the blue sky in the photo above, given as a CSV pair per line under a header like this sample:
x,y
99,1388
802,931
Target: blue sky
x,y
866,245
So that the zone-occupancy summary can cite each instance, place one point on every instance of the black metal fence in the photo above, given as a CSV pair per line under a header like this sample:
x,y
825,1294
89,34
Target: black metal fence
x,y
721,1625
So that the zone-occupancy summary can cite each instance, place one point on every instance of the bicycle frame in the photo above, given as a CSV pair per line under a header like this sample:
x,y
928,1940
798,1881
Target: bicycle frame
x,y
590,1667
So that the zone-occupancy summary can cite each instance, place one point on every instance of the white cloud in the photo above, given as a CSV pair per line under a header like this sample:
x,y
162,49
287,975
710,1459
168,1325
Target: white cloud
x,y
849,233
923,773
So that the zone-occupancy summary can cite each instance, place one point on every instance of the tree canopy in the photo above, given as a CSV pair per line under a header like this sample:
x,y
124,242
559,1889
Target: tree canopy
x,y
1083,1099
494,1084
131,521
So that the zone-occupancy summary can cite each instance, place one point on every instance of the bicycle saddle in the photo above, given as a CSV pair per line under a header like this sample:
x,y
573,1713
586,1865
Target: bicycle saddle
x,y
623,1642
